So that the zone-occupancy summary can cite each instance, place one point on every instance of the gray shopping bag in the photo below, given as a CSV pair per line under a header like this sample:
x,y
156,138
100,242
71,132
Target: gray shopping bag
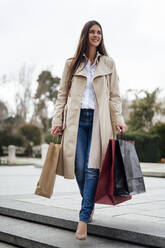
x,y
134,177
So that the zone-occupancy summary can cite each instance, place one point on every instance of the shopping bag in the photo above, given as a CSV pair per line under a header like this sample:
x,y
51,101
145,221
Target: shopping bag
x,y
132,167
121,186
47,178
105,191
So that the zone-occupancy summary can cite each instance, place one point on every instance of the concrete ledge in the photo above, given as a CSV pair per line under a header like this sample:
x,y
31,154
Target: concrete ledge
x,y
140,232
17,240
153,169
153,174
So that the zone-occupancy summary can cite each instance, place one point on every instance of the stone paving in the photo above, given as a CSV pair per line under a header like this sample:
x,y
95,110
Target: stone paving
x,y
148,169
147,207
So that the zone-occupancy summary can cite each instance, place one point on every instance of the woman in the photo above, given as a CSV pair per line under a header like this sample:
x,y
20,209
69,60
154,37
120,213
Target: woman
x,y
87,114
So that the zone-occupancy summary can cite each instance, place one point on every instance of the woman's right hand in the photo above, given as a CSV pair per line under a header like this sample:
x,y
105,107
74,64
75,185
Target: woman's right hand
x,y
56,131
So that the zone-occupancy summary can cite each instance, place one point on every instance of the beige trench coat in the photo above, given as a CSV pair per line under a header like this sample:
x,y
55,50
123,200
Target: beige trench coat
x,y
107,114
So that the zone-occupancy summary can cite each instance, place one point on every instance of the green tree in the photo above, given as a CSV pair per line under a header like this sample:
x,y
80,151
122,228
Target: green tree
x,y
31,133
144,109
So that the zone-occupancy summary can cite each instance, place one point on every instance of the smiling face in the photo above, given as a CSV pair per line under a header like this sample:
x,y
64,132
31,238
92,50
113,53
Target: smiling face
x,y
94,35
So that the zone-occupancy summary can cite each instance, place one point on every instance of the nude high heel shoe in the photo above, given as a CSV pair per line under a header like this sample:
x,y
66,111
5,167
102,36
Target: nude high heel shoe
x,y
78,234
81,236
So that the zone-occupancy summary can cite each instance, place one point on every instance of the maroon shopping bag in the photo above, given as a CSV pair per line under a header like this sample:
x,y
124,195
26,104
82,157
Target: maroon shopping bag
x,y
105,192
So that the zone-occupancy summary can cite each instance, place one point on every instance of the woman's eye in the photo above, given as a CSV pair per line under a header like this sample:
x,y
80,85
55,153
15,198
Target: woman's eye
x,y
92,31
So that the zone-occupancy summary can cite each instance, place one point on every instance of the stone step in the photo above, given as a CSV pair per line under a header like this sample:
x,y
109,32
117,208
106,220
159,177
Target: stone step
x,y
140,233
23,233
6,245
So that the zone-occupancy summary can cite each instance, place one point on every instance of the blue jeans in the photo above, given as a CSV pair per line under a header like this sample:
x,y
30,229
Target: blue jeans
x,y
87,178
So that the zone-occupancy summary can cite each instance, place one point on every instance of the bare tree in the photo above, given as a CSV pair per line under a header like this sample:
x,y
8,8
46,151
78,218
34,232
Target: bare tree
x,y
46,93
125,105
3,111
23,96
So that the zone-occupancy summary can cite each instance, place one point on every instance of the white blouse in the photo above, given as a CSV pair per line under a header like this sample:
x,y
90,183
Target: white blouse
x,y
88,99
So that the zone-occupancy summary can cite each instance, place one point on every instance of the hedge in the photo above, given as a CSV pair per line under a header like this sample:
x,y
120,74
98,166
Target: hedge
x,y
146,144
7,139
159,129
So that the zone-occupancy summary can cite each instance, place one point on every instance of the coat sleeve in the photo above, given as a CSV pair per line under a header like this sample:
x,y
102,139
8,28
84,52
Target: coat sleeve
x,y
115,101
57,119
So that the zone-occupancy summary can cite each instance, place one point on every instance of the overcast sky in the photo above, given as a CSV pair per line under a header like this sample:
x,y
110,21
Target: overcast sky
x,y
44,33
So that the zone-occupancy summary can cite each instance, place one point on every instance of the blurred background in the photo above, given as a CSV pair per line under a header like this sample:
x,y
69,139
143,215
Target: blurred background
x,y
36,39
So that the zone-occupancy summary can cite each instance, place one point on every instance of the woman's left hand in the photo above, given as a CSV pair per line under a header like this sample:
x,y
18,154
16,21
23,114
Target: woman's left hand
x,y
121,128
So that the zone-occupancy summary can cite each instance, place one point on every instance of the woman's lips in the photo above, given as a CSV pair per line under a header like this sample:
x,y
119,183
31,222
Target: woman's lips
x,y
95,40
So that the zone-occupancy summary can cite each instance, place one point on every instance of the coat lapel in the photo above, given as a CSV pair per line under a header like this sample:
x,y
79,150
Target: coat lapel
x,y
101,69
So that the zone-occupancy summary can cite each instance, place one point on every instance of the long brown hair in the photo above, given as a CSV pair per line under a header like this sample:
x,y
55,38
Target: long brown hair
x,y
83,48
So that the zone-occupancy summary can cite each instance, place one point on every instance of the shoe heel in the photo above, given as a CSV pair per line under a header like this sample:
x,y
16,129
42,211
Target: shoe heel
x,y
81,236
